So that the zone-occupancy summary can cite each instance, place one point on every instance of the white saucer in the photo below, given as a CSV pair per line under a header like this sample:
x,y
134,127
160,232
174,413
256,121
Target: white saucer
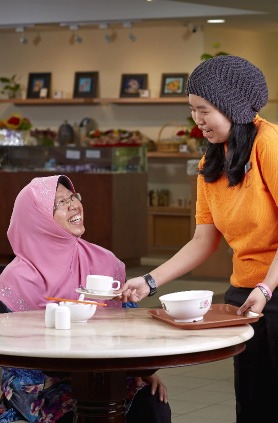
x,y
103,296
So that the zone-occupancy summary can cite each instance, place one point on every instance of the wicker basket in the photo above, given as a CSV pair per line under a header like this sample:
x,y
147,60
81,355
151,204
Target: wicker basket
x,y
169,144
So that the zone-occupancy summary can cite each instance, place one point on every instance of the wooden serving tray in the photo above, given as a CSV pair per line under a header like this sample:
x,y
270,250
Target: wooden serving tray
x,y
219,315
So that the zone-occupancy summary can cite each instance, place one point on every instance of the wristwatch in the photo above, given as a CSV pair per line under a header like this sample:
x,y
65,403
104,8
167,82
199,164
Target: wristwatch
x,y
152,284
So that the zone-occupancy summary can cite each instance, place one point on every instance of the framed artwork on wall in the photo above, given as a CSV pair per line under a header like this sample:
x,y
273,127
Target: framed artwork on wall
x,y
173,84
85,85
39,85
132,84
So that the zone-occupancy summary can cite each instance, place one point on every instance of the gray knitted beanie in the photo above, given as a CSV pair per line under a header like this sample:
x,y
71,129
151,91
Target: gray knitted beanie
x,y
232,84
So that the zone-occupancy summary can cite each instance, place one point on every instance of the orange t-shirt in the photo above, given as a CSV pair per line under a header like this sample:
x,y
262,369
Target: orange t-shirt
x,y
247,214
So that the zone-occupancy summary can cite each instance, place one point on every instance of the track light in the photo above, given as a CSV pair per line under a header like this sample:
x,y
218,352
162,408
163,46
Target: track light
x,y
131,34
192,28
75,38
22,39
132,37
108,38
109,35
78,39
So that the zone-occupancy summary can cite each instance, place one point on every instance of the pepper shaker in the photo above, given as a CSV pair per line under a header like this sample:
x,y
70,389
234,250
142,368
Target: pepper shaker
x,y
62,317
49,316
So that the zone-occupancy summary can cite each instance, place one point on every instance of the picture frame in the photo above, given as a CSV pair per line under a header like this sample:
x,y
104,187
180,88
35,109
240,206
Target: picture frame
x,y
85,84
133,84
37,82
173,84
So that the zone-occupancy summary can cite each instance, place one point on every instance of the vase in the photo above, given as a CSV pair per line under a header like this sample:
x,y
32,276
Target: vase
x,y
66,134
26,136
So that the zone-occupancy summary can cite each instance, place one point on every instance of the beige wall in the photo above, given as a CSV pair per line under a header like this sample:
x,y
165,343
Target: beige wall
x,y
158,49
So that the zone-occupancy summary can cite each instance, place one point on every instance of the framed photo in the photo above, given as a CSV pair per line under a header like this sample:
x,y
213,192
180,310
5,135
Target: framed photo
x,y
173,84
38,82
85,85
132,84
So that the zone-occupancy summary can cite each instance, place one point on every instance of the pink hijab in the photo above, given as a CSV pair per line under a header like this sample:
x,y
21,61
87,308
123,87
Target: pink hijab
x,y
50,261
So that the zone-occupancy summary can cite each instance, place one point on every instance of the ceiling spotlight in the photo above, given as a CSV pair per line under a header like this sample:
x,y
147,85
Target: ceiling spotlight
x,y
132,37
22,38
75,38
192,28
78,39
108,38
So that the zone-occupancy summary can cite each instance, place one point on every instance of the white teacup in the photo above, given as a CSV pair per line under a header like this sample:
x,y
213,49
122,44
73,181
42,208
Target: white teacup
x,y
101,284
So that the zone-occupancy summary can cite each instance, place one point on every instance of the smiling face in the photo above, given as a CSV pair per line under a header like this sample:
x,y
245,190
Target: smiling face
x,y
69,214
214,125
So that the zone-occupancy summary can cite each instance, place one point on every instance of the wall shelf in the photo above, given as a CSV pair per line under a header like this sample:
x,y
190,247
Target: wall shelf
x,y
52,101
93,101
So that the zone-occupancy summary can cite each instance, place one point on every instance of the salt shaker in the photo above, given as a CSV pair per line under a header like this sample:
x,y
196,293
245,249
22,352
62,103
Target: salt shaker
x,y
49,316
62,317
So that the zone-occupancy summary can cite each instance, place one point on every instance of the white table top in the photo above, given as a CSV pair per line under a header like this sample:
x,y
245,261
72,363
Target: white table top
x,y
110,333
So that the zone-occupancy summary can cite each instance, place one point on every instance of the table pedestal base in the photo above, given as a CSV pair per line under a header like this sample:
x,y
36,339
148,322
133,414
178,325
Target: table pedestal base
x,y
100,397
99,412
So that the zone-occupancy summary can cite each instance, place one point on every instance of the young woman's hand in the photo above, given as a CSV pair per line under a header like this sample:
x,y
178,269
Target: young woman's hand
x,y
133,290
255,302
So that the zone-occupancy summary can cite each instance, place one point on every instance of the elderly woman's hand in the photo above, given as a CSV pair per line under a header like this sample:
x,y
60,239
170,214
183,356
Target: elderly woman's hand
x,y
156,385
133,290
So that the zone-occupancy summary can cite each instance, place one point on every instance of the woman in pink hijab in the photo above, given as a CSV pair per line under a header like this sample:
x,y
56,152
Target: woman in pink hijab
x,y
52,260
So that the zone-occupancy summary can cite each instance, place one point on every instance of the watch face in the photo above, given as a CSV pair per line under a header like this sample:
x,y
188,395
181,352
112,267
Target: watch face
x,y
152,283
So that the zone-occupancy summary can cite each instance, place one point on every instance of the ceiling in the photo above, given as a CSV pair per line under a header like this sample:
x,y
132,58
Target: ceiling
x,y
239,14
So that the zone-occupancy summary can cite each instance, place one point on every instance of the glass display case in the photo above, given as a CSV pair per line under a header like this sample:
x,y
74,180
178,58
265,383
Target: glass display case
x,y
118,159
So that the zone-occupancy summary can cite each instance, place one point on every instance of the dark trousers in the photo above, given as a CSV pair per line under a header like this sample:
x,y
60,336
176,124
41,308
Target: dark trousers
x,y
256,368
147,408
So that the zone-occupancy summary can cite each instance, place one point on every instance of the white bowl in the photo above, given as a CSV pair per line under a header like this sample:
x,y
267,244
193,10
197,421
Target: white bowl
x,y
187,306
80,312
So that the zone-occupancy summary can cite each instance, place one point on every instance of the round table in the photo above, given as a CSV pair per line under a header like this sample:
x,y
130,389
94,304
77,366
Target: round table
x,y
102,352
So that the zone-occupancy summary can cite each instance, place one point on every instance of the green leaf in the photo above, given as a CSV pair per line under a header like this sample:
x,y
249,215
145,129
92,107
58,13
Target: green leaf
x,y
222,53
206,56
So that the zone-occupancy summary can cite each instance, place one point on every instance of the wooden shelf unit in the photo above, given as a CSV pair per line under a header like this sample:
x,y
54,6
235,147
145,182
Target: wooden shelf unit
x,y
163,155
168,228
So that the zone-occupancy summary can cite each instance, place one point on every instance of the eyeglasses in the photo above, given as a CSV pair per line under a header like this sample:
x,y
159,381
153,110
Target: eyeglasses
x,y
63,203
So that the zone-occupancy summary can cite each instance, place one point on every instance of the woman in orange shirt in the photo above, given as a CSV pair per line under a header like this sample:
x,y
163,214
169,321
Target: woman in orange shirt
x,y
237,198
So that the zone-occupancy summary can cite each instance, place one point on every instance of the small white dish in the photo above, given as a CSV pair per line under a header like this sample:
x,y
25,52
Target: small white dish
x,y
79,312
99,296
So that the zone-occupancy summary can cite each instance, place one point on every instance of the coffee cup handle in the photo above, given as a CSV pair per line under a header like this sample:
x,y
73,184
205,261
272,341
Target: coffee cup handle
x,y
118,285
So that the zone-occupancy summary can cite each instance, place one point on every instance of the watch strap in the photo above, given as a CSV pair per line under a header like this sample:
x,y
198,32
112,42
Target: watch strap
x,y
152,284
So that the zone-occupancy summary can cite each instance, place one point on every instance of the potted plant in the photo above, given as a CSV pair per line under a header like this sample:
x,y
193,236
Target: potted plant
x,y
10,86
216,46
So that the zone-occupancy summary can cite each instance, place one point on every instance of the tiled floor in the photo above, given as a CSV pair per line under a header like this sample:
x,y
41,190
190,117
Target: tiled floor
x,y
201,394
197,394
